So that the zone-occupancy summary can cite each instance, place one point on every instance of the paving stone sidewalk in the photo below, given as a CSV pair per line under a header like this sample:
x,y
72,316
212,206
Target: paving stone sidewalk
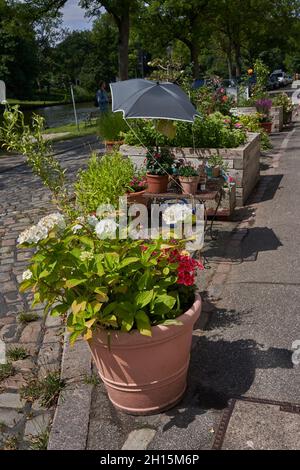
x,y
23,201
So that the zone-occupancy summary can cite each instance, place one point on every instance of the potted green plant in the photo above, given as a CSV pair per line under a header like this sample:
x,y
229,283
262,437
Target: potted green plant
x,y
189,178
159,165
106,178
263,107
133,301
111,128
215,163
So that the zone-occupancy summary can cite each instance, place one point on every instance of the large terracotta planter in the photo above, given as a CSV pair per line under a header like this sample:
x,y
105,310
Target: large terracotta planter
x,y
267,126
145,375
157,183
189,184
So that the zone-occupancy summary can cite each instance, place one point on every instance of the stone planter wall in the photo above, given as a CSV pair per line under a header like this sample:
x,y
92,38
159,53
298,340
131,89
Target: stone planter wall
x,y
243,162
276,114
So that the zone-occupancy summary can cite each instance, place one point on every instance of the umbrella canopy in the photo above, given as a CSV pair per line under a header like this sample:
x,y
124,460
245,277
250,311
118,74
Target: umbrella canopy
x,y
138,98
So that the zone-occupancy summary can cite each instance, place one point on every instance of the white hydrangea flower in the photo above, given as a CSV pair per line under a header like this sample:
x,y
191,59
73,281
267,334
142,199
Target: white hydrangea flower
x,y
34,234
176,213
27,275
92,220
53,220
106,228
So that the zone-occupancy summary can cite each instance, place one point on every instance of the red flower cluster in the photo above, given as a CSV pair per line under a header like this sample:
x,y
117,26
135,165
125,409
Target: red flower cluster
x,y
186,267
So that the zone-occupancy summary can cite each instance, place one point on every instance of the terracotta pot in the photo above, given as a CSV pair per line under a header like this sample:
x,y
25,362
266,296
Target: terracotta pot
x,y
111,145
136,198
145,375
157,183
189,184
216,172
267,126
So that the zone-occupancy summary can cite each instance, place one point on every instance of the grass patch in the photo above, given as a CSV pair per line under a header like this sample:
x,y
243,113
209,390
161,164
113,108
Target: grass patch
x,y
6,370
72,130
91,380
11,443
27,317
32,104
46,391
40,442
17,353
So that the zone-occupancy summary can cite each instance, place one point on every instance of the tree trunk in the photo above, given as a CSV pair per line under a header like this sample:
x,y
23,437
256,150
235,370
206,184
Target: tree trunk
x,y
238,66
195,59
123,44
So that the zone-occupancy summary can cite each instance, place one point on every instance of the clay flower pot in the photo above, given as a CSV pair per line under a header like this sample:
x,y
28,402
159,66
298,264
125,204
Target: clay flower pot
x,y
157,183
111,145
137,197
189,184
216,172
267,126
142,374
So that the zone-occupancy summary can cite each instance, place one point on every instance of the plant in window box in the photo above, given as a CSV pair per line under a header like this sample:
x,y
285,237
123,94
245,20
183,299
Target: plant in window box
x,y
159,165
132,300
189,178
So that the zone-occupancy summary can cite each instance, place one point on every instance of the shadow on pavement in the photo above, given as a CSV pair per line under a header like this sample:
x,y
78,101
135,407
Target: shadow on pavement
x,y
221,370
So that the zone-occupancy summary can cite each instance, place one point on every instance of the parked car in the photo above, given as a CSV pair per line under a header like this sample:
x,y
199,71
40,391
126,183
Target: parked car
x,y
281,77
273,83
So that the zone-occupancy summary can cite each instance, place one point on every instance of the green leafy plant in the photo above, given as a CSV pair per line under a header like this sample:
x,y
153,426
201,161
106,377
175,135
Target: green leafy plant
x,y
187,170
206,132
40,442
252,124
6,370
262,73
29,141
46,390
105,281
111,126
103,182
17,353
216,161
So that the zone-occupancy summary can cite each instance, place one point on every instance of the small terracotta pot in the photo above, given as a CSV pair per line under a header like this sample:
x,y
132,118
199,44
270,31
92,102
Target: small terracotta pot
x,y
142,374
189,184
136,198
111,145
157,183
267,126
216,172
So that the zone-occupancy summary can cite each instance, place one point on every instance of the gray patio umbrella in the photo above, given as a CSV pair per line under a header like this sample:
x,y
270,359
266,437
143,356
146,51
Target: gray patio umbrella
x,y
138,98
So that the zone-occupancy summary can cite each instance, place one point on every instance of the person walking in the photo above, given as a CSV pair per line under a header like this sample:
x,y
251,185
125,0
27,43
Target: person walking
x,y
102,97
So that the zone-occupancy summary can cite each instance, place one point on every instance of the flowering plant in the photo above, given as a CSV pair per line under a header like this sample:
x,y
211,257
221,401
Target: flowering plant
x,y
159,161
138,183
82,271
263,107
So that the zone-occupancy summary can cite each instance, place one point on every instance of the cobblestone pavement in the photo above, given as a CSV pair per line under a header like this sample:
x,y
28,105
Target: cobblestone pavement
x,y
23,201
